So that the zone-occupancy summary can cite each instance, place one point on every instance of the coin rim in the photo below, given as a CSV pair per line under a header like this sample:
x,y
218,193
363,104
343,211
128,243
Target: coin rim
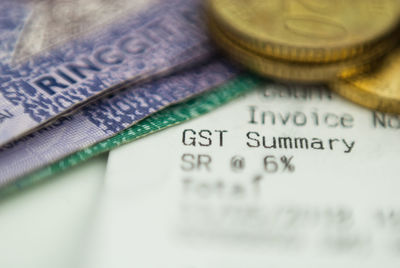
x,y
365,97
291,71
289,52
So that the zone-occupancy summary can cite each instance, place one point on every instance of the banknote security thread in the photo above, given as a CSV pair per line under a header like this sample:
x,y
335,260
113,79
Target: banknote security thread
x,y
105,118
159,40
171,116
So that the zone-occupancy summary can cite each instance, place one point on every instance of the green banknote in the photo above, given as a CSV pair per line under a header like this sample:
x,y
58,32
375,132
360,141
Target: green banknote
x,y
171,116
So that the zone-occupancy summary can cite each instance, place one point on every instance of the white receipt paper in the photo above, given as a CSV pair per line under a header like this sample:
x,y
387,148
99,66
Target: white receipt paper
x,y
286,176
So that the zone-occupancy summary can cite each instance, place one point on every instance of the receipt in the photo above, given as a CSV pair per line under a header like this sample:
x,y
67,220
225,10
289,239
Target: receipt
x,y
44,226
286,176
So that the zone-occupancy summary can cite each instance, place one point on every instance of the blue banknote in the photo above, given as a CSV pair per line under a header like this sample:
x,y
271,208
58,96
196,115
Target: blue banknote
x,y
106,117
12,19
35,90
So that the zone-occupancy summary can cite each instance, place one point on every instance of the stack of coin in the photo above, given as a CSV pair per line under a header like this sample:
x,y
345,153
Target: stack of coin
x,y
305,40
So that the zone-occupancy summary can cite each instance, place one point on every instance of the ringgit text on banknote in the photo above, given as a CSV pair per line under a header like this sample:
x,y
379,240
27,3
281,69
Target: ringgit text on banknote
x,y
65,53
171,116
105,118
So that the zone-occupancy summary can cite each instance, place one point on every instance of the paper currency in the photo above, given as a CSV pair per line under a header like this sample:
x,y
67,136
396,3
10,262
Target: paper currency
x,y
52,22
35,90
12,20
105,118
285,177
169,117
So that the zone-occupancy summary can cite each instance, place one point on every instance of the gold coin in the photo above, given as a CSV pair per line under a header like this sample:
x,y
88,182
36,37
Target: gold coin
x,y
307,30
295,71
379,90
